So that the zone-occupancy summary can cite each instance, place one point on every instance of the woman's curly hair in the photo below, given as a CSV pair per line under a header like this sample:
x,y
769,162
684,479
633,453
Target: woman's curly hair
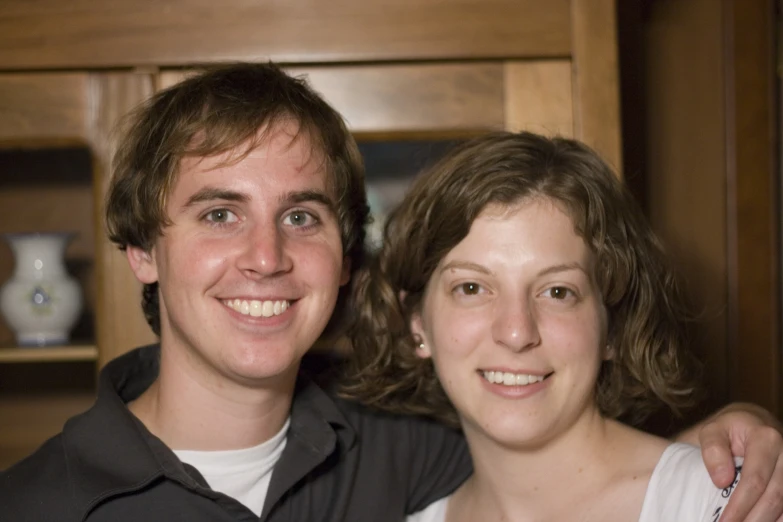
x,y
646,309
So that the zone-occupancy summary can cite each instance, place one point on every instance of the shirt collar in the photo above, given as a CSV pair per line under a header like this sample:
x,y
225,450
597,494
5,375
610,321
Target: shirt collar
x,y
109,451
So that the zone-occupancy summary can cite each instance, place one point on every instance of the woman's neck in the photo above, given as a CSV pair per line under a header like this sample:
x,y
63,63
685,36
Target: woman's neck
x,y
556,479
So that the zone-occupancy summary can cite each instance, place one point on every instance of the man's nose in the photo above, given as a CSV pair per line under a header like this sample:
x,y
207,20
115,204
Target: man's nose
x,y
265,252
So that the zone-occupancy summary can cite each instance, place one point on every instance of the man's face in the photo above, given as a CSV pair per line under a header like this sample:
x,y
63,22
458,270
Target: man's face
x,y
250,267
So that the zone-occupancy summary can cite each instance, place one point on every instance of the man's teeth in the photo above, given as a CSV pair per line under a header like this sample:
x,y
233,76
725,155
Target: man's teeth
x,y
512,379
255,308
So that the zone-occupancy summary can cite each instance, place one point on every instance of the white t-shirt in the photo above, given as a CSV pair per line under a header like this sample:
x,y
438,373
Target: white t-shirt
x,y
680,489
241,474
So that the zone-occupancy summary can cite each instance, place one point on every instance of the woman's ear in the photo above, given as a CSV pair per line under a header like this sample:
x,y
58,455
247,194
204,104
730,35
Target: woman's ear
x,y
416,328
423,349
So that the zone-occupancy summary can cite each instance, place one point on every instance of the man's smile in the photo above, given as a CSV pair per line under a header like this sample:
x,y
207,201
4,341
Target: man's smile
x,y
256,308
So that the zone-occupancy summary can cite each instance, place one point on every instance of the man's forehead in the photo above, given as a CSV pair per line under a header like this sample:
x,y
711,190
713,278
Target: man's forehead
x,y
298,148
293,172
286,139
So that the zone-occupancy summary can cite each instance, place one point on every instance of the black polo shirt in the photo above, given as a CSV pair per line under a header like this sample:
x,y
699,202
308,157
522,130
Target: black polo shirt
x,y
341,462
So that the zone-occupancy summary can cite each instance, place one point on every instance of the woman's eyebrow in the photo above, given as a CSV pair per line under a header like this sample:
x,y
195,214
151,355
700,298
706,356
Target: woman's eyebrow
x,y
465,265
564,267
554,269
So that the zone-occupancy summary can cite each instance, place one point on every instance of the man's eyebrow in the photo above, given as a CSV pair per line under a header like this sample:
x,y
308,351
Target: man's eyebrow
x,y
304,196
212,194
290,198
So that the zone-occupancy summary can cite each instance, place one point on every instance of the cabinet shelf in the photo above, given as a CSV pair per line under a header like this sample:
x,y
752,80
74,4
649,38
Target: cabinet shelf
x,y
66,353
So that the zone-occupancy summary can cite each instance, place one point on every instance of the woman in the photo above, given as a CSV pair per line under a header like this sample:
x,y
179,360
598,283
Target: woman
x,y
520,292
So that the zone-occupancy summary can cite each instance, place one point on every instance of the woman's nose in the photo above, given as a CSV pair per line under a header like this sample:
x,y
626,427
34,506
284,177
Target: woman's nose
x,y
516,326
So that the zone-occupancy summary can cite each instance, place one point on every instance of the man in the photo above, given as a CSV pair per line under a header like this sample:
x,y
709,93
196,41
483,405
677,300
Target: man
x,y
238,196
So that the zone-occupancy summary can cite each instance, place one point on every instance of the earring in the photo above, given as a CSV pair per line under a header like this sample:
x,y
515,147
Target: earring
x,y
421,346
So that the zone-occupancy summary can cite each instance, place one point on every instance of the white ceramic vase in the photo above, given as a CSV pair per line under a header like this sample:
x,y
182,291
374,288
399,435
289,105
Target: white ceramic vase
x,y
41,301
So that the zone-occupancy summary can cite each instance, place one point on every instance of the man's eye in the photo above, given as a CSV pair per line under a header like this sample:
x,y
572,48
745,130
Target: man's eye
x,y
300,218
221,215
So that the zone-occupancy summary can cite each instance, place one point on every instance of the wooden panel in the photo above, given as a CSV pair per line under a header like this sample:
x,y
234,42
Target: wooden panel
x,y
630,39
111,33
686,165
538,97
596,77
50,208
754,210
120,322
27,421
409,98
43,108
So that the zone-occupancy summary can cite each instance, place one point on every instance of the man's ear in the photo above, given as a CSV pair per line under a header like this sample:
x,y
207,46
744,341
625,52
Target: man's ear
x,y
143,264
345,274
423,349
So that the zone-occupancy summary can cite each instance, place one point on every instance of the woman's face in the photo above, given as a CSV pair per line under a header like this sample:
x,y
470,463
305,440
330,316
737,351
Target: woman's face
x,y
515,325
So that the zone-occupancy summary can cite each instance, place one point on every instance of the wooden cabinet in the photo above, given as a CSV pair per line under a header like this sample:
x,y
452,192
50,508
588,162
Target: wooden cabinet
x,y
40,388
404,69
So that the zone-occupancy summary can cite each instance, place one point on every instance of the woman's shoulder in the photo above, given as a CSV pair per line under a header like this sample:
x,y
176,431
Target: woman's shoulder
x,y
681,488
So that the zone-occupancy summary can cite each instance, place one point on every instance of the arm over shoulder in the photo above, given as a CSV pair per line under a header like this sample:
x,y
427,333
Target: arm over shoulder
x,y
681,488
440,462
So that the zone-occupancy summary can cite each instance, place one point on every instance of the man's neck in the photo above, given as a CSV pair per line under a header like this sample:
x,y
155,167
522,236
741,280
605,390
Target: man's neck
x,y
190,409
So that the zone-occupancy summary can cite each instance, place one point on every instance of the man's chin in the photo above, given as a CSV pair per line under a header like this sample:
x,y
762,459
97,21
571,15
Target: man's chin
x,y
270,370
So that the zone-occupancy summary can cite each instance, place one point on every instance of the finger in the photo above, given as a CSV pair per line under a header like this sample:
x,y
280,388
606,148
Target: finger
x,y
759,495
769,508
716,452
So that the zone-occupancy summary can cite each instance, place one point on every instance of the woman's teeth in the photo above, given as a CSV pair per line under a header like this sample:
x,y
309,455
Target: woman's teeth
x,y
512,379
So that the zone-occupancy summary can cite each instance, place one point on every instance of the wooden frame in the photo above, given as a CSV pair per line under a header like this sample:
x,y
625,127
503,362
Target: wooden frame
x,y
50,34
430,98
705,140
754,226
392,68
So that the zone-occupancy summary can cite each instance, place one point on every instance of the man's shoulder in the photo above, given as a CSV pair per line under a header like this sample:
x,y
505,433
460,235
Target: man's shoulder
x,y
37,487
326,370
418,457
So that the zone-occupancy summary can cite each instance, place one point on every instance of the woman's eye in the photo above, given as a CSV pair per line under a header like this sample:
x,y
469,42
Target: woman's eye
x,y
300,218
221,215
559,292
469,288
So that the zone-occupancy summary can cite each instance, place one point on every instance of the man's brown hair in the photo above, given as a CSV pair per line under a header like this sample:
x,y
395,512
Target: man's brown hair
x,y
227,108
